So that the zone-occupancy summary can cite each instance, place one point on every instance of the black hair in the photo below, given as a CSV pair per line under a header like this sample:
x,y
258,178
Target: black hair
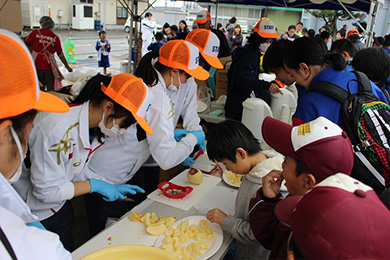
x,y
379,40
291,27
46,22
224,138
145,70
364,25
324,35
174,28
148,14
342,33
255,40
326,27
300,23
273,57
311,52
101,32
304,30
19,123
311,33
219,25
342,45
354,38
386,42
374,62
300,169
232,20
92,92
159,36
185,28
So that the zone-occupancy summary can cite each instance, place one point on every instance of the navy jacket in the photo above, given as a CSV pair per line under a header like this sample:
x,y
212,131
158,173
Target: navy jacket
x,y
243,78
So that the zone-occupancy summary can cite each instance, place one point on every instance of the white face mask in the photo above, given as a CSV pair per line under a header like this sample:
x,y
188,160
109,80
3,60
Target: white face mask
x,y
15,177
172,87
113,131
264,46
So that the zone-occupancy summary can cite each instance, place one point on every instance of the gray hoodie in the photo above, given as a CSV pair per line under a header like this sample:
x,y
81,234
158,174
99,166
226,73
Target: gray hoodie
x,y
247,246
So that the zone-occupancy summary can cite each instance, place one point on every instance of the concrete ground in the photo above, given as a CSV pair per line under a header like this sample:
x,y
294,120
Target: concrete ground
x,y
85,52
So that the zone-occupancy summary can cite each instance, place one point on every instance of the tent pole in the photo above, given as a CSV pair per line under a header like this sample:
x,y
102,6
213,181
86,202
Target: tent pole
x,y
137,20
372,23
131,41
350,14
216,14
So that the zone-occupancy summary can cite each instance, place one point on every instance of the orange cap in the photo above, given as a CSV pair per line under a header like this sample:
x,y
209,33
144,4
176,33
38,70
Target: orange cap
x,y
19,85
183,55
208,45
266,28
202,17
352,32
131,93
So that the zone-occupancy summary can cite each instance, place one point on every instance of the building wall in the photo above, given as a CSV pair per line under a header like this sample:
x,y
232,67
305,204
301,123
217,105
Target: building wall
x,y
283,18
110,7
11,16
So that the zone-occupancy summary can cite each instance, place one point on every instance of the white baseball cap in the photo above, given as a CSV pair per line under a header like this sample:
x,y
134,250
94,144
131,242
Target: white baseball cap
x,y
266,29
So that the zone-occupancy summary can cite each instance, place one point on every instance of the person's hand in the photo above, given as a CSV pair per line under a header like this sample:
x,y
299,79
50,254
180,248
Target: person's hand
x,y
285,36
179,134
200,136
216,216
274,88
271,183
36,224
112,192
69,69
188,162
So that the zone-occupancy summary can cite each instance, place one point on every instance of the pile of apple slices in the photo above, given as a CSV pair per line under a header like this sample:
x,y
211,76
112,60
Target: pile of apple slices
x,y
187,241
154,225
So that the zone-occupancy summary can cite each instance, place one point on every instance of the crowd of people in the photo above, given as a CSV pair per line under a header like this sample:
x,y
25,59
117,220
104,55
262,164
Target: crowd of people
x,y
305,198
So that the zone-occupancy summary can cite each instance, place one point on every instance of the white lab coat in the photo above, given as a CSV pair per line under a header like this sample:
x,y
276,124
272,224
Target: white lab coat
x,y
121,156
59,151
186,105
26,242
147,27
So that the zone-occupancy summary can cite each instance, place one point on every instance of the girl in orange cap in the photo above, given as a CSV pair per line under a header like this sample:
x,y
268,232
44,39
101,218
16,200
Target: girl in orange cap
x,y
61,146
20,100
134,146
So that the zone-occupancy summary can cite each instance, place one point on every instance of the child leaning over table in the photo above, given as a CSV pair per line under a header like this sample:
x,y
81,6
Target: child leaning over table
x,y
232,144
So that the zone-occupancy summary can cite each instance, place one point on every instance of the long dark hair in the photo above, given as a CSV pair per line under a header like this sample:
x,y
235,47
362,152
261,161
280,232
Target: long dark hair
x,y
92,92
312,52
146,71
185,27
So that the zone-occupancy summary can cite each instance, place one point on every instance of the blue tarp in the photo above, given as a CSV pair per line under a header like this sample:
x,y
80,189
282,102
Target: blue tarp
x,y
362,5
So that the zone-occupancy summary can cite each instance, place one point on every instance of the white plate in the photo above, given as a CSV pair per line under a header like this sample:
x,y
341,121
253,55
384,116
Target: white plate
x,y
214,244
202,106
224,177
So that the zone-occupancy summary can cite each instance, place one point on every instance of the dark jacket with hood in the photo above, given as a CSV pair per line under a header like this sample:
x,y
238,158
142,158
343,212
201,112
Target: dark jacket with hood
x,y
243,78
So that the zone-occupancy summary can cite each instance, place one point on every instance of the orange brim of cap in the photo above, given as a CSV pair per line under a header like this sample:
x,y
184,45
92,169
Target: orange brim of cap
x,y
50,103
198,73
200,21
142,122
213,61
268,35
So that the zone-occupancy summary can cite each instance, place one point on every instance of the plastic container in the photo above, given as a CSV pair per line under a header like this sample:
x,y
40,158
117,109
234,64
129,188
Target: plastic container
x,y
255,110
283,106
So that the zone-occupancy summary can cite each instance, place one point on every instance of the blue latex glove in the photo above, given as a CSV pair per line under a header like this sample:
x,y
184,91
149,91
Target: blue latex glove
x,y
201,139
188,162
113,192
180,133
37,224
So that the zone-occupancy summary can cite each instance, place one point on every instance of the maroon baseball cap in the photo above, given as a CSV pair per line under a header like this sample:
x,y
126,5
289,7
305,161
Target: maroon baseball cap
x,y
321,145
340,218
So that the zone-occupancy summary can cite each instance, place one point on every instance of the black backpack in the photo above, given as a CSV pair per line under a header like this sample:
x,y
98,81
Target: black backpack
x,y
367,122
